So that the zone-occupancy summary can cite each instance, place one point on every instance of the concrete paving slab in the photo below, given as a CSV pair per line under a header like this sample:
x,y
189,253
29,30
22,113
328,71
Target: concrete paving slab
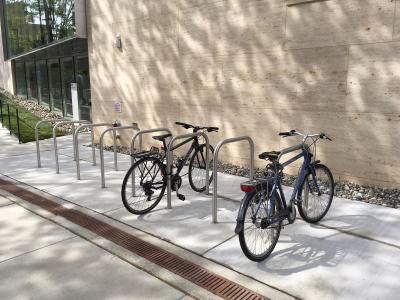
x,y
76,269
9,165
313,262
21,232
87,193
373,221
188,223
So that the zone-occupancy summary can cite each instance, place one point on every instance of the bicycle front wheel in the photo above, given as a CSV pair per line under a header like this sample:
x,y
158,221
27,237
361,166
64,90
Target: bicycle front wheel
x,y
197,168
316,194
257,242
144,185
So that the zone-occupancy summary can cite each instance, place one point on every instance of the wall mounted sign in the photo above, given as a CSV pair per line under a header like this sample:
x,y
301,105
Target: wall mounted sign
x,y
118,106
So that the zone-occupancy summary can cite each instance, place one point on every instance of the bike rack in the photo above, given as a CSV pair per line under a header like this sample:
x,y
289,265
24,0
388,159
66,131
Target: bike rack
x,y
139,135
76,140
134,126
73,136
170,160
37,128
215,164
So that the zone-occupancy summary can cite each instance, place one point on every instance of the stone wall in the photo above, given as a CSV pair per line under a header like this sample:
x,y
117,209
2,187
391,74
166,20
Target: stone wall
x,y
255,68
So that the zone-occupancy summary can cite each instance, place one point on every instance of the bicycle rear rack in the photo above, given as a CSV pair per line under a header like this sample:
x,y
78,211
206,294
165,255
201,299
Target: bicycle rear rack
x,y
215,165
170,161
134,126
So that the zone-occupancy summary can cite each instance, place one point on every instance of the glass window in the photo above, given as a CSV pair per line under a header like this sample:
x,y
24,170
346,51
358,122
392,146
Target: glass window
x,y
83,81
34,23
68,77
55,84
31,79
42,83
20,80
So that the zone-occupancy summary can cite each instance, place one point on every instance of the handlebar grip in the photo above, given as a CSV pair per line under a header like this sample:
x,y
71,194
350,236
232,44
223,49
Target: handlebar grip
x,y
210,129
325,137
285,133
288,133
184,125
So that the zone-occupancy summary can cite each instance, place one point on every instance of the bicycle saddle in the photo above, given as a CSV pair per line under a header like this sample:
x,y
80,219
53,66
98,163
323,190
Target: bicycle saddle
x,y
162,137
271,155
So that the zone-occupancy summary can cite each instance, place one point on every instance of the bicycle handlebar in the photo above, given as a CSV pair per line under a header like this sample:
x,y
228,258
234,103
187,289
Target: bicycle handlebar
x,y
304,135
197,128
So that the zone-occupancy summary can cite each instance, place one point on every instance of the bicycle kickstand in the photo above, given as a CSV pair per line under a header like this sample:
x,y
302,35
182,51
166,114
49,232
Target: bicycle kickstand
x,y
180,196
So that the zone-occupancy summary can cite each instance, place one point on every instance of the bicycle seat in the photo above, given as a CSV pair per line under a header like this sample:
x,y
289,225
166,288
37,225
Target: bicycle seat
x,y
162,137
271,155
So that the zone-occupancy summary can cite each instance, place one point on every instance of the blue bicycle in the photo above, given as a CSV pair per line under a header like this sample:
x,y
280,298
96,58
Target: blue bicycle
x,y
264,210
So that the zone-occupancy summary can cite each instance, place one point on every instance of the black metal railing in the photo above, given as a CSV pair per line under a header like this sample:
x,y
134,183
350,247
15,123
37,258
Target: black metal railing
x,y
11,114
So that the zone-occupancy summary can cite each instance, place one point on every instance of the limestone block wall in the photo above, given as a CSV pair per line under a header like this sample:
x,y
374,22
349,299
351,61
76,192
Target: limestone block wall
x,y
257,67
6,78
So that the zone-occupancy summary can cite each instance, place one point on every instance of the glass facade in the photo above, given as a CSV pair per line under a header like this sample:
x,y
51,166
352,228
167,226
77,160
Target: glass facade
x,y
46,76
34,23
44,69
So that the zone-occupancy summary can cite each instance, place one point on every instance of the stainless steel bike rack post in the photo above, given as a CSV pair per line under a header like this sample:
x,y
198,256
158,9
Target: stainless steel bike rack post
x,y
73,136
37,128
76,140
169,162
215,164
113,129
139,135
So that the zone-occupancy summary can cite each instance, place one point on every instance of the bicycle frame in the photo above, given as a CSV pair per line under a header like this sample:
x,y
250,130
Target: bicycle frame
x,y
277,181
193,146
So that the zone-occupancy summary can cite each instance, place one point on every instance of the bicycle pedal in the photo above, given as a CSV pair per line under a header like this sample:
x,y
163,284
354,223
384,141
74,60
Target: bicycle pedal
x,y
181,197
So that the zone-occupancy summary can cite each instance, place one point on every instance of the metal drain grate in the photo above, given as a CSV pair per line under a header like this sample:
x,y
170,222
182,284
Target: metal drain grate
x,y
196,274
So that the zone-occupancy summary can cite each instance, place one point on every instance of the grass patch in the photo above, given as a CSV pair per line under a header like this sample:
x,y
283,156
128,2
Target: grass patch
x,y
27,122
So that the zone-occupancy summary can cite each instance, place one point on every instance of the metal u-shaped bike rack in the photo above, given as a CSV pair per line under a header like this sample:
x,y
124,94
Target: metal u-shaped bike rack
x,y
134,126
76,140
73,136
37,131
170,160
215,165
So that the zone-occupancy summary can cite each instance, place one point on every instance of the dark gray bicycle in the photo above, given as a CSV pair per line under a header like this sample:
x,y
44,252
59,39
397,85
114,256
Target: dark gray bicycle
x,y
263,210
145,182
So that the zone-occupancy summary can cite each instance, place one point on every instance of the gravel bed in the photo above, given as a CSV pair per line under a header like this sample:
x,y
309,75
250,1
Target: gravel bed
x,y
36,109
389,197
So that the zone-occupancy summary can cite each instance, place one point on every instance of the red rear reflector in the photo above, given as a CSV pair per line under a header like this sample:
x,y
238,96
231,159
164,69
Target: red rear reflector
x,y
247,188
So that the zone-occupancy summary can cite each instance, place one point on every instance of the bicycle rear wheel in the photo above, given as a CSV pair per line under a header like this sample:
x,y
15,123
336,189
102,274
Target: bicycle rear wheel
x,y
256,242
197,168
144,185
316,194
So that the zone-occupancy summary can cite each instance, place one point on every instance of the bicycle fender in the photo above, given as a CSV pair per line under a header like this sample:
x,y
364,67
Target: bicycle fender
x,y
240,217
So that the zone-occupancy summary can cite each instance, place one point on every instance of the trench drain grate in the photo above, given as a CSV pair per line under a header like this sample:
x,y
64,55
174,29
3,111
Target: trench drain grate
x,y
194,273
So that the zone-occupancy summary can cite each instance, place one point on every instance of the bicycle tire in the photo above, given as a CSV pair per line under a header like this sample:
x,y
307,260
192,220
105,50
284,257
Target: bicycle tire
x,y
147,187
247,201
303,205
198,158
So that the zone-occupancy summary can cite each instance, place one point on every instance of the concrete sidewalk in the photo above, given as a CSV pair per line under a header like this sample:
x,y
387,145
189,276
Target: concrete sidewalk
x,y
354,253
40,260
